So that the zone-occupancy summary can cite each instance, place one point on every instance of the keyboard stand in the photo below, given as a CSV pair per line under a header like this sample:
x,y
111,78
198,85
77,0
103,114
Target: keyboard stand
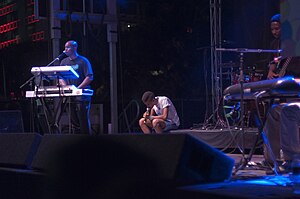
x,y
261,121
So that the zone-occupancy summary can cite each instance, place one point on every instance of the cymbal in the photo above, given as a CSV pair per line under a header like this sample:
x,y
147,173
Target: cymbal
x,y
259,71
247,50
229,65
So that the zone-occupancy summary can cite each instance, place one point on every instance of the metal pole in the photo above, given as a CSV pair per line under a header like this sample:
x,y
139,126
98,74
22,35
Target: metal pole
x,y
112,38
84,22
219,53
215,41
55,28
211,4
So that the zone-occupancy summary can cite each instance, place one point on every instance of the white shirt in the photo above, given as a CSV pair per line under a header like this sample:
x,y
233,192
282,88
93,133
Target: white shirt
x,y
164,102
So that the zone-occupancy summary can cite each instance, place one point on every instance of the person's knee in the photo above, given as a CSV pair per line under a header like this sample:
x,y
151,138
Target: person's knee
x,y
141,121
158,124
276,108
290,111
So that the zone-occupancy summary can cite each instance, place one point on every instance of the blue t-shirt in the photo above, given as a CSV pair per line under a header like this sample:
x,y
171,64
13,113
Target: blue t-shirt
x,y
82,66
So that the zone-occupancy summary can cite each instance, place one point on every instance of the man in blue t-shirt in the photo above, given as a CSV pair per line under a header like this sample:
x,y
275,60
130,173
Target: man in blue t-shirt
x,y
80,106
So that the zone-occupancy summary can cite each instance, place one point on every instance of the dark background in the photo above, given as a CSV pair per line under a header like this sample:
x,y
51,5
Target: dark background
x,y
165,49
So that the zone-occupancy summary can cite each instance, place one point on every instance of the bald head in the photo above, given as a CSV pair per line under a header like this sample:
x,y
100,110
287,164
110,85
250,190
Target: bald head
x,y
71,49
72,43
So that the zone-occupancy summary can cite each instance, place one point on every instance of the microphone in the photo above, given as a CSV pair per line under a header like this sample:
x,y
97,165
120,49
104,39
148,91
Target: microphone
x,y
147,114
59,58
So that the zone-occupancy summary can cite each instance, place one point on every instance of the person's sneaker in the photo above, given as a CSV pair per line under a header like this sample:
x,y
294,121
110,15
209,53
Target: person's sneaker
x,y
285,167
282,168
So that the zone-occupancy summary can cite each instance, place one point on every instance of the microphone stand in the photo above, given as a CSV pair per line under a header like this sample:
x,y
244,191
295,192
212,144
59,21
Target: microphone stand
x,y
244,160
28,82
56,59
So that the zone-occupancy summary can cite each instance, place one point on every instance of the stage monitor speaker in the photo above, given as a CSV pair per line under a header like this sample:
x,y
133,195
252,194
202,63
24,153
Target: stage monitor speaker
x,y
11,121
18,149
52,144
181,158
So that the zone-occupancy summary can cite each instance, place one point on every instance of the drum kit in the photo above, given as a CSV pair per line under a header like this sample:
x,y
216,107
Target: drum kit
x,y
251,74
243,114
232,109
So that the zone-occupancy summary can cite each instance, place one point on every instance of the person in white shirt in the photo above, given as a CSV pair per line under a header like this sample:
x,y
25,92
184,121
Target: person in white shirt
x,y
161,114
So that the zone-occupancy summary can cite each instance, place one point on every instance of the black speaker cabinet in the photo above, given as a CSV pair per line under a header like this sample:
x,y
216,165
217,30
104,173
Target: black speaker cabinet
x,y
18,149
11,121
181,158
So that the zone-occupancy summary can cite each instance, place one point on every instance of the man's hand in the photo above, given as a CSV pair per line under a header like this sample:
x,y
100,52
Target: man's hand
x,y
62,82
148,118
272,75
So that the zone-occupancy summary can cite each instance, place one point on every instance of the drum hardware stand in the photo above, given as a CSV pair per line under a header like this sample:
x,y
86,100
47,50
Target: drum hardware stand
x,y
245,160
242,128
241,83
219,120
215,111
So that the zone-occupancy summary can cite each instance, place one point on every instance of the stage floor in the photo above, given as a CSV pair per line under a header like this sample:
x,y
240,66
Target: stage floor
x,y
249,182
264,187
253,180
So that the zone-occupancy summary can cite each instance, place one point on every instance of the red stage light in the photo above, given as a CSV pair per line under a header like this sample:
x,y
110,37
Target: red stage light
x,y
9,26
7,9
38,36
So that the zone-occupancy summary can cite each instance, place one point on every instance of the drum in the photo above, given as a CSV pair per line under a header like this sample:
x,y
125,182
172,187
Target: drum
x,y
256,77
235,78
232,112
251,76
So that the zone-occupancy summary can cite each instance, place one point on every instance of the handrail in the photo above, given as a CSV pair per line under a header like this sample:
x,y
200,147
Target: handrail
x,y
129,106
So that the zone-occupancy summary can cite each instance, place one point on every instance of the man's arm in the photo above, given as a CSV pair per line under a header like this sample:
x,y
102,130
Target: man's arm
x,y
87,80
163,116
62,82
271,73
